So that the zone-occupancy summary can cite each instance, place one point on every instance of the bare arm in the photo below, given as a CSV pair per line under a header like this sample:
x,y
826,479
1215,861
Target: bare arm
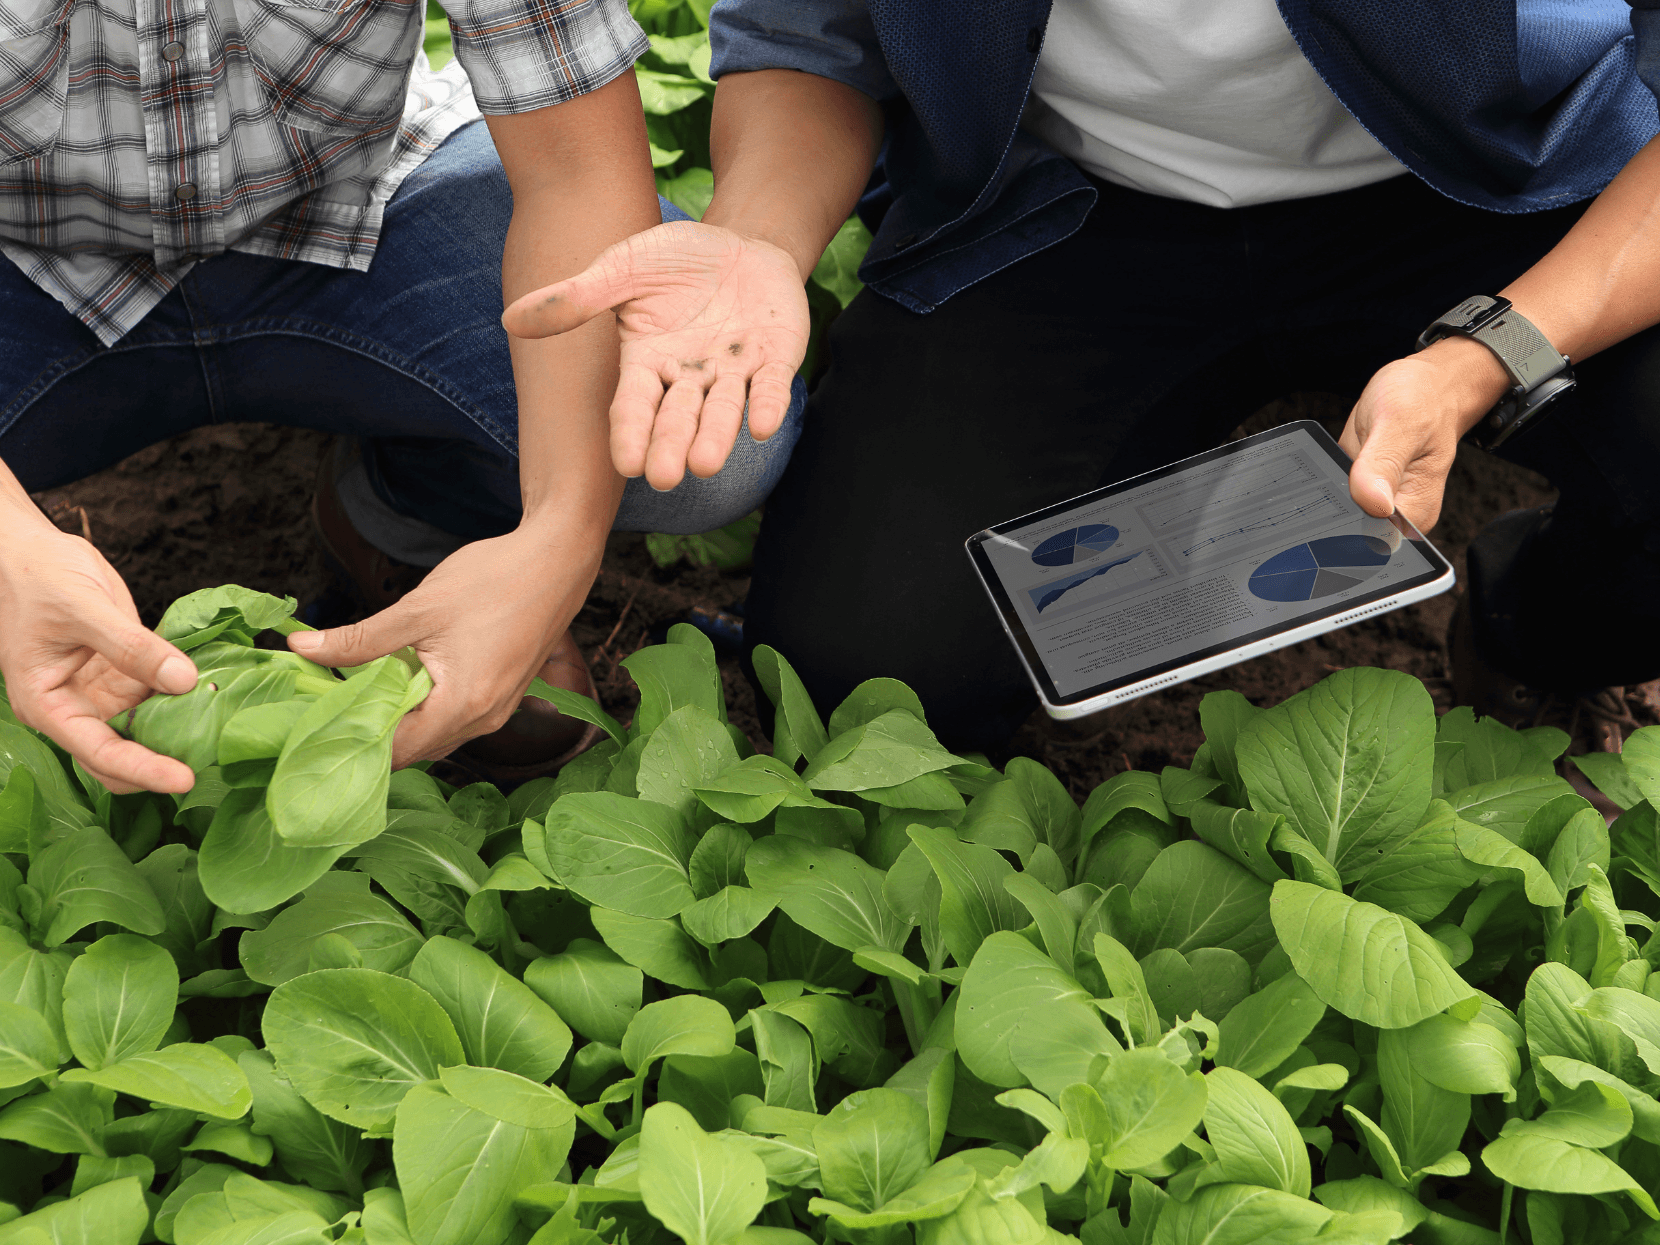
x,y
713,315
1597,286
792,153
487,617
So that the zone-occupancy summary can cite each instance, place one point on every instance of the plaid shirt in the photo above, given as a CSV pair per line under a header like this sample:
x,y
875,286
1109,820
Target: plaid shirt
x,y
138,136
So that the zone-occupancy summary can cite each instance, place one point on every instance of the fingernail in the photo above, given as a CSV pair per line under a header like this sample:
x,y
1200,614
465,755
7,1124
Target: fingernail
x,y
178,672
305,639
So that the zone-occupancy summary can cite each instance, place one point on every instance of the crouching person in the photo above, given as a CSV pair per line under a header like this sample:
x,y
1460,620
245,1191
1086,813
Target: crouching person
x,y
276,211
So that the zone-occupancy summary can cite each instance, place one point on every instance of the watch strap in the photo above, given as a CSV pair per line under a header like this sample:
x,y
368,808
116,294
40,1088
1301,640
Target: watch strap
x,y
1538,374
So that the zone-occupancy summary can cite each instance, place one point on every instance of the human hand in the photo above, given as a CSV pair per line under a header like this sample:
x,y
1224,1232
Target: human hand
x,y
75,654
1403,433
707,317
482,623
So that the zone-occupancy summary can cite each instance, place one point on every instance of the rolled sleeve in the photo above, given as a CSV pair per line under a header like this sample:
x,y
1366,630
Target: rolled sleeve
x,y
521,55
831,38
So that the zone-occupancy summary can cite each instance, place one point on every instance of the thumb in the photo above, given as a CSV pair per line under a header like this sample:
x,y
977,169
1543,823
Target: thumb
x,y
137,651
355,644
558,308
1375,479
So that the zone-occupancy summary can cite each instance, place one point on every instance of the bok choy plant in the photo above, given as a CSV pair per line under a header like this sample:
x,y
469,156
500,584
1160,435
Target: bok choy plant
x,y
1354,976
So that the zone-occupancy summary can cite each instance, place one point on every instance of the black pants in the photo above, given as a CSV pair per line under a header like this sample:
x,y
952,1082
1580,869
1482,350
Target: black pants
x,y
1145,337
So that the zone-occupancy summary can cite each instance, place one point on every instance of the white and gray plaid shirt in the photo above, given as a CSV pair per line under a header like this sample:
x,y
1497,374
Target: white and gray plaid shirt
x,y
139,136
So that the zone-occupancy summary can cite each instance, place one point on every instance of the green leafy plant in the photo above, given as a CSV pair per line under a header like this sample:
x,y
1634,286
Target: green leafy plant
x,y
1355,975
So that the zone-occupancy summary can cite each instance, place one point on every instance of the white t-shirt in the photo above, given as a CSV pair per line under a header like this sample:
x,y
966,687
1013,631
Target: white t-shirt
x,y
1206,100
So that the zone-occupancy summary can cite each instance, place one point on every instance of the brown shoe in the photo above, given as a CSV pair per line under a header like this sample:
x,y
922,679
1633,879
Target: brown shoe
x,y
537,739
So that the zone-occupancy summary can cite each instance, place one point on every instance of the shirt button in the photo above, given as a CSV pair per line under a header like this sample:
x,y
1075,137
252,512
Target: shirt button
x,y
172,51
186,192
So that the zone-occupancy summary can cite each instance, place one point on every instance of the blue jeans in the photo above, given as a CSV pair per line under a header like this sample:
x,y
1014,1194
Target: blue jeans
x,y
409,357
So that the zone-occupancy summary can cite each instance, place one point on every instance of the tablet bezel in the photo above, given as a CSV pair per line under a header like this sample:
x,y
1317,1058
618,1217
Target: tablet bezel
x,y
1438,578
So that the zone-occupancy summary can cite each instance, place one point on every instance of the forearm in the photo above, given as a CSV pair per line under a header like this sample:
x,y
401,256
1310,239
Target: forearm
x,y
21,521
1597,286
792,153
581,180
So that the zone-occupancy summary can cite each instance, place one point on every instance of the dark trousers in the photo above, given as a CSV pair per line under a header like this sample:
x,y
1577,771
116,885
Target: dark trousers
x,y
1145,337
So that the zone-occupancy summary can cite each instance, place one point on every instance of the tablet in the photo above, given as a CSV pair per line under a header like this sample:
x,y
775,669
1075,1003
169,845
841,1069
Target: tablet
x,y
1196,566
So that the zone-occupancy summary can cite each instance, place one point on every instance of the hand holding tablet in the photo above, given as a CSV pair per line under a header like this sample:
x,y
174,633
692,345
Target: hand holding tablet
x,y
1196,566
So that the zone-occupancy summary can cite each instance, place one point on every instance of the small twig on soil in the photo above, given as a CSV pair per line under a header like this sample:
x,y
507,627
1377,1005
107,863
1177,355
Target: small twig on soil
x,y
1127,766
621,618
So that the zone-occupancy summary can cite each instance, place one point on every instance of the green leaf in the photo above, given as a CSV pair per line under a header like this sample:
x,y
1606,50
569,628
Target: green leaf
x,y
84,877
973,901
312,1147
1150,1105
338,903
237,1141
576,705
1491,750
828,891
1222,714
1641,755
1507,804
502,1023
886,751
112,1213
1492,850
196,611
1418,875
748,791
705,1189
353,1041
838,268
685,1025
688,749
185,1075
671,676
872,1146
1608,774
1362,960
660,949
1347,762
619,853
593,989
1256,1141
1635,1015
1595,1116
1424,1121
1554,1166
1056,1043
788,1065
1464,1057
66,1119
730,912
1192,896
329,788
707,1085
1241,1214
798,731
28,1047
459,1167
1582,842
1030,806
246,866
1242,834
1008,976
118,999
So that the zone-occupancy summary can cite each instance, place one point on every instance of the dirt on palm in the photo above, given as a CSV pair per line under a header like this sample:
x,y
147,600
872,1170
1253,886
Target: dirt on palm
x,y
230,504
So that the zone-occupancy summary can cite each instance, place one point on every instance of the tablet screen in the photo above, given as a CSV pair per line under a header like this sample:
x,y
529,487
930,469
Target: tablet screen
x,y
1206,555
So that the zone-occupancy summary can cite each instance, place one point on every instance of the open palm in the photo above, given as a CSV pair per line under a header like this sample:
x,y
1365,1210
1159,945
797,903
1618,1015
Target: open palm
x,y
709,321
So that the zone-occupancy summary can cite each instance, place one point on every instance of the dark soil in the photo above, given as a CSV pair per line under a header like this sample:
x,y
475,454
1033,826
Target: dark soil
x,y
230,504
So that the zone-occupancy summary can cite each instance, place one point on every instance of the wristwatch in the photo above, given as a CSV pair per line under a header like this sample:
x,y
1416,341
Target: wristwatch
x,y
1539,376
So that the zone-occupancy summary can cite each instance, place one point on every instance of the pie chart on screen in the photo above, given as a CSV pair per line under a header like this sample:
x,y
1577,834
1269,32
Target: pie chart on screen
x,y
1075,544
1319,568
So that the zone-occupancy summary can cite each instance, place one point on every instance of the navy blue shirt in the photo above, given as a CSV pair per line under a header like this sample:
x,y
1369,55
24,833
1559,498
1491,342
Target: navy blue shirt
x,y
1510,105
